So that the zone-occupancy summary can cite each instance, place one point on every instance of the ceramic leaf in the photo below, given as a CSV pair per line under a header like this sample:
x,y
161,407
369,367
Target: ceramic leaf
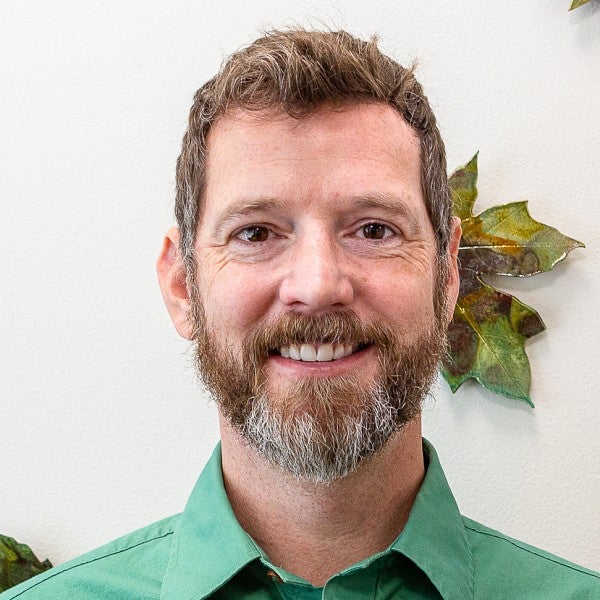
x,y
18,563
578,3
488,333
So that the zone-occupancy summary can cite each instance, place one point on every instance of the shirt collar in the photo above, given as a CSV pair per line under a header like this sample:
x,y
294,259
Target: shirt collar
x,y
209,545
434,537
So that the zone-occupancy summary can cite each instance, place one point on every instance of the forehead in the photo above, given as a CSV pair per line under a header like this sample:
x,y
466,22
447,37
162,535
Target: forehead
x,y
365,148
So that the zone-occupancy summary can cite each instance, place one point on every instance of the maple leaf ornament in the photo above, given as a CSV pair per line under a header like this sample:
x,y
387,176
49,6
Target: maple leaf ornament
x,y
488,332
578,3
18,563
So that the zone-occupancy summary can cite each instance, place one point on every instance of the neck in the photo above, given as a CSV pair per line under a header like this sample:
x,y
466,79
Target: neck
x,y
297,523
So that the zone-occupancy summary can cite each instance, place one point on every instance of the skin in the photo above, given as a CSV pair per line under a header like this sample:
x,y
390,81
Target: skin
x,y
284,228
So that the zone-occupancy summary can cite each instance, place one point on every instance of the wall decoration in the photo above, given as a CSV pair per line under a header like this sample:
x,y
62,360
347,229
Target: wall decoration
x,y
578,3
489,329
18,563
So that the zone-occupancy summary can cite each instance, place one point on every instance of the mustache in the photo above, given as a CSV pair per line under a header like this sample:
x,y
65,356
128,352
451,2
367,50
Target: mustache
x,y
297,328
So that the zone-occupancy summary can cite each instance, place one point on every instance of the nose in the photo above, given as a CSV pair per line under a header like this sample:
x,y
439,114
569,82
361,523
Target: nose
x,y
317,276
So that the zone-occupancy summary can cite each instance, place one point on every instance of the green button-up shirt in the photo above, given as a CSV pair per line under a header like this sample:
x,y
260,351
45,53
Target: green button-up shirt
x,y
203,553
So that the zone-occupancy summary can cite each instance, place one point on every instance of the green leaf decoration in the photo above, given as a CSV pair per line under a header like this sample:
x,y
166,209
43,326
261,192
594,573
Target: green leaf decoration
x,y
18,563
578,3
488,332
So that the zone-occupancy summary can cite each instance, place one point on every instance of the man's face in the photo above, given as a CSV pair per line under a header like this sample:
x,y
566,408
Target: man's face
x,y
317,271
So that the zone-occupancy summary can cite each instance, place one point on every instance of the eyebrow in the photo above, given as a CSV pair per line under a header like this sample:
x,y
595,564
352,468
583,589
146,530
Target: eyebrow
x,y
390,203
244,208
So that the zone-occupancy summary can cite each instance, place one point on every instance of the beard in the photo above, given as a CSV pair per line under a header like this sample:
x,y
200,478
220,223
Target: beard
x,y
318,429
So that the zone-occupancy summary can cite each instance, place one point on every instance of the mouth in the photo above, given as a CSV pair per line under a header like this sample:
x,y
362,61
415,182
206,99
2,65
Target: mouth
x,y
325,352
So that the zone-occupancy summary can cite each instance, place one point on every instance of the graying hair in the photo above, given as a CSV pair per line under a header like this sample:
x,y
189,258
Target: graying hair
x,y
306,449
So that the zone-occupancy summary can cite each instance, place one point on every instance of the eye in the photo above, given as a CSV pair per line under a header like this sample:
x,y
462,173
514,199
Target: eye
x,y
256,233
375,231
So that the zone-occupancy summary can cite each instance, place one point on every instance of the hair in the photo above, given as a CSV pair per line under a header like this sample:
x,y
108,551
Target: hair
x,y
297,72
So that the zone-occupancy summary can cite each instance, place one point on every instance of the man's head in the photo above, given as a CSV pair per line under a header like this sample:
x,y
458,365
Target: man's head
x,y
318,248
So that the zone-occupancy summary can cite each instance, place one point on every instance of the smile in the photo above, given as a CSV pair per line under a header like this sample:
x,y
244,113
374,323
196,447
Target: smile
x,y
317,352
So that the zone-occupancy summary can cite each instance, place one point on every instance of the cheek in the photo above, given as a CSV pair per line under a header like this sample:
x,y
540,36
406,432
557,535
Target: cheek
x,y
235,300
401,300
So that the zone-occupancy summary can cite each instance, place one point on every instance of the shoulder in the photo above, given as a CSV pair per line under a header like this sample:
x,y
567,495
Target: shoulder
x,y
523,571
127,568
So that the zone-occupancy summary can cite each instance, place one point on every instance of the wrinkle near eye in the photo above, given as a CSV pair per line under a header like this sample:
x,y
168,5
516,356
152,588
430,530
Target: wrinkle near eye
x,y
216,262
415,255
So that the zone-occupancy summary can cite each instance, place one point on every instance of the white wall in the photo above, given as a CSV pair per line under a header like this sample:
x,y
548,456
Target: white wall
x,y
103,428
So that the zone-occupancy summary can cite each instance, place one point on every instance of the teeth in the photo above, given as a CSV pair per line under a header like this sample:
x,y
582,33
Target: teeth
x,y
308,353
325,353
318,352
339,352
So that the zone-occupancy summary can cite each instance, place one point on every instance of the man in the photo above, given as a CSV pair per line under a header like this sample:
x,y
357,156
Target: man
x,y
315,268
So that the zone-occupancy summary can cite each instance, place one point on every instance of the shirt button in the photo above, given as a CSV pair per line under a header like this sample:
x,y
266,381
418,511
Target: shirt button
x,y
273,576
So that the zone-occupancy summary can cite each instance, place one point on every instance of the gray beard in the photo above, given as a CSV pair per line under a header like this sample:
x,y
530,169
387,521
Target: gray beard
x,y
318,430
316,451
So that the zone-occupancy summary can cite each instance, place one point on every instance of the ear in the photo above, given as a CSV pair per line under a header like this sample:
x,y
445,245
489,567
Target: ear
x,y
453,284
172,281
